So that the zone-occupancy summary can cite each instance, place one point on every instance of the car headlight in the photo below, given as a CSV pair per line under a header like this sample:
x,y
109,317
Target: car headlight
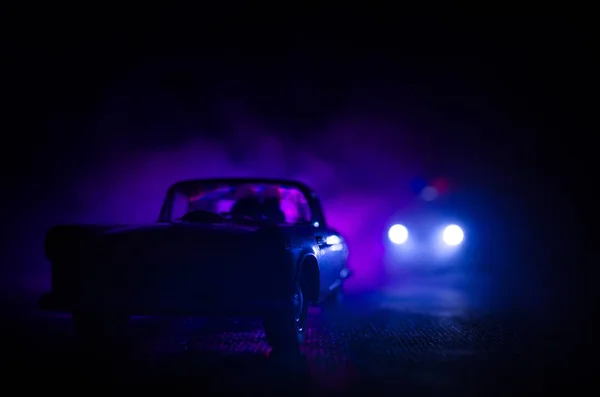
x,y
398,234
453,235
333,239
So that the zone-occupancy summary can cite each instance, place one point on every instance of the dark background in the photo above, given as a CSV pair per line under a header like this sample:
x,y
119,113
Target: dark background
x,y
105,110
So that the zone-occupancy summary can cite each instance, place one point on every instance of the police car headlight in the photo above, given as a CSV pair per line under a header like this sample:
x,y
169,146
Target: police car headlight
x,y
398,234
453,235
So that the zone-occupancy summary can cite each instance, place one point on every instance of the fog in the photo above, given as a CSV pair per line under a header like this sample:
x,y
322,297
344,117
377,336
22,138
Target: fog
x,y
359,146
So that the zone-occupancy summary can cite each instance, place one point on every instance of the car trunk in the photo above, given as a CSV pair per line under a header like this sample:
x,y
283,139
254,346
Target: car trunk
x,y
167,265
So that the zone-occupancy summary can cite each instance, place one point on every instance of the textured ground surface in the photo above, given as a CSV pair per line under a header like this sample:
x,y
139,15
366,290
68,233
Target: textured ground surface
x,y
423,337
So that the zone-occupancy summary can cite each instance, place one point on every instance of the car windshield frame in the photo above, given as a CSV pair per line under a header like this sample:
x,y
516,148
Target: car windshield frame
x,y
188,188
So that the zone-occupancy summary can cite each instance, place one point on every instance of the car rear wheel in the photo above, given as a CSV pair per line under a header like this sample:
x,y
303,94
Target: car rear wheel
x,y
286,330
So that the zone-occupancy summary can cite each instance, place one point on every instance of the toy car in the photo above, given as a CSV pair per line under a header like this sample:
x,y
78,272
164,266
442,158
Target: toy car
x,y
221,247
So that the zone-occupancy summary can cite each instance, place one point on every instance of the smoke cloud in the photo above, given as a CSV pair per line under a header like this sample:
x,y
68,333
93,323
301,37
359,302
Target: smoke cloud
x,y
145,135
351,159
130,188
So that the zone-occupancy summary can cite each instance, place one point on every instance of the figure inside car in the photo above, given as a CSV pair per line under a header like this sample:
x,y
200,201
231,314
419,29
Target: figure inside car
x,y
271,205
247,204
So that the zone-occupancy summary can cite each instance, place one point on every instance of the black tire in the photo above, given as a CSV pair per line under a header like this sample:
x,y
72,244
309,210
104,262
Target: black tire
x,y
101,332
285,330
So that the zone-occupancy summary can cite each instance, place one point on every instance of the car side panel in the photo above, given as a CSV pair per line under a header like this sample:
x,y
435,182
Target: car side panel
x,y
168,269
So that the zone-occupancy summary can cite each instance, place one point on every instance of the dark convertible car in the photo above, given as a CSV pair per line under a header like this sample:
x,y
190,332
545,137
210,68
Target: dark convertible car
x,y
221,247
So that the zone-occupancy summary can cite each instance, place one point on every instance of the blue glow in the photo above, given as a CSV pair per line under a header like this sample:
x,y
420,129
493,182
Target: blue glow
x,y
417,185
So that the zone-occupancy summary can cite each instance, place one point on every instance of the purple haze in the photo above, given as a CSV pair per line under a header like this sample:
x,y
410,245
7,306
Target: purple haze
x,y
360,180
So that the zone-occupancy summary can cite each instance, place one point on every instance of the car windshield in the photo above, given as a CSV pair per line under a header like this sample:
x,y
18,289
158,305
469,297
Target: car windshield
x,y
245,201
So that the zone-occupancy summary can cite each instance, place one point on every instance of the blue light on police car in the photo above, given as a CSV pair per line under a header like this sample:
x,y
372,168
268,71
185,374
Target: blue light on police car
x,y
398,234
453,235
